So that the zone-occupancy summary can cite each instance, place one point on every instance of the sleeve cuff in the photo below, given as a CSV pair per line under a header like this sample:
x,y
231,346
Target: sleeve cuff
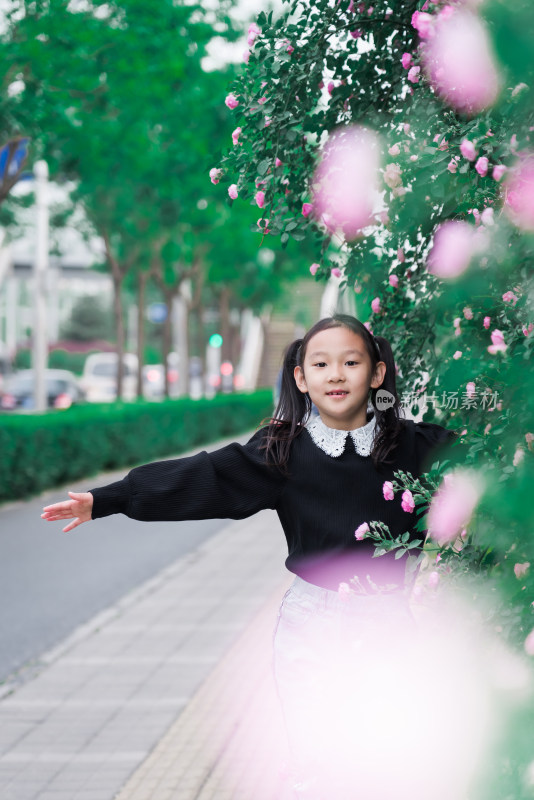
x,y
111,499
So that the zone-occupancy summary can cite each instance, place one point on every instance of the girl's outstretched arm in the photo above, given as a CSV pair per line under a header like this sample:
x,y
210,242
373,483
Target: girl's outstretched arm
x,y
79,506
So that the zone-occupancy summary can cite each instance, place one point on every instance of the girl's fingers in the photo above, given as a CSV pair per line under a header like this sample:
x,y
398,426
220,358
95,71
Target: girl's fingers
x,y
63,506
72,525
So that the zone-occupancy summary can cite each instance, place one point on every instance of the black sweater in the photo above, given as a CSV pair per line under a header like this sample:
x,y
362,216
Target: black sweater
x,y
320,503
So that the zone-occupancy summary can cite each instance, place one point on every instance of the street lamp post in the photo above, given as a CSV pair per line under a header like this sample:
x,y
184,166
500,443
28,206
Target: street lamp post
x,y
40,336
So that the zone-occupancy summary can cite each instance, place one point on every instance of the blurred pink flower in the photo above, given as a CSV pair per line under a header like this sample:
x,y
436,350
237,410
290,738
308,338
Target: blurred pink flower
x,y
231,101
215,175
487,321
387,490
413,74
468,313
235,135
394,150
265,228
457,355
528,329
355,34
423,24
482,166
314,268
393,280
277,163
470,389
519,202
510,297
452,166
468,150
375,305
400,255
253,32
529,644
452,249
307,208
232,191
361,531
519,455
290,49
498,344
407,60
331,86
246,56
260,199
345,180
407,501
498,171
406,128
459,62
336,272
453,504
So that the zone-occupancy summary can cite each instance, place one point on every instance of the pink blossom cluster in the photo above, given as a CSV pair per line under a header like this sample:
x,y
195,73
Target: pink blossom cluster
x,y
453,505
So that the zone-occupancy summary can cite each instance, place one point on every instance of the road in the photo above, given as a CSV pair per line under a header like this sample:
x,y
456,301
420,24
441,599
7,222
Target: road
x,y
51,582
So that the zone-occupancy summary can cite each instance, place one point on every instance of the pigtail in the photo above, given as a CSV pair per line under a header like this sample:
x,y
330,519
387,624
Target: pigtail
x,y
389,425
291,413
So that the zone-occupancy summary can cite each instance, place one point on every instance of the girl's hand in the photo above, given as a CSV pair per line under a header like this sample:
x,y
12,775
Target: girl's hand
x,y
79,506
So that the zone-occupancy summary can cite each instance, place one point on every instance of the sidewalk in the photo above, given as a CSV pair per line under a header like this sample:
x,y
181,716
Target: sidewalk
x,y
166,695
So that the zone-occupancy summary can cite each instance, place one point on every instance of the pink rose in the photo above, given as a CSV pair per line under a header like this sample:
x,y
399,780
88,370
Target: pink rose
x,y
253,32
498,172
407,60
277,163
423,24
394,150
519,455
519,202
290,49
375,305
413,74
498,344
231,101
235,135
307,208
468,150
260,199
387,490
355,34
486,322
361,531
457,355
400,255
215,175
232,191
393,280
453,504
510,297
470,389
314,268
452,166
335,272
528,329
468,313
407,502
392,175
482,166
246,56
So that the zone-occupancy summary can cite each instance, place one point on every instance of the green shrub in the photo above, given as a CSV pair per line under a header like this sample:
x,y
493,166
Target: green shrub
x,y
40,451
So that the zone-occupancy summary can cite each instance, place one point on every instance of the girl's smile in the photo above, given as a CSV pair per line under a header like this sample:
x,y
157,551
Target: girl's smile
x,y
336,373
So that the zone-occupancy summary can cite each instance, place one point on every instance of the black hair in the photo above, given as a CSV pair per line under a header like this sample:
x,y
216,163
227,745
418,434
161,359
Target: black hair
x,y
294,407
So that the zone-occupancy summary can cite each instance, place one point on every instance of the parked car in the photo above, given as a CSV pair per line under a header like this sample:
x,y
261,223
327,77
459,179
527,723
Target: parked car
x,y
99,379
62,390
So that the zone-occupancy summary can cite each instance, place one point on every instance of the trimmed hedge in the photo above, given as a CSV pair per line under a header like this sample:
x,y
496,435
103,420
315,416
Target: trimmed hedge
x,y
39,451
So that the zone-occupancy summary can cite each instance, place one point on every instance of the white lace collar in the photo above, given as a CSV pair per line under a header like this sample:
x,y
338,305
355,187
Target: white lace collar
x,y
332,441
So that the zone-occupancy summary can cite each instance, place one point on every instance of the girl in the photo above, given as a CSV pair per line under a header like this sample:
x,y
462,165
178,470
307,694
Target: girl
x,y
324,476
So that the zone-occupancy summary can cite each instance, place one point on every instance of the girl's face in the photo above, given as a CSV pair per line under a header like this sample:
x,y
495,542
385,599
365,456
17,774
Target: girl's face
x,y
337,376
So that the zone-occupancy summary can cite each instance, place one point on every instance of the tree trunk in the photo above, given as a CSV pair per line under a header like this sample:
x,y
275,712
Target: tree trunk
x,y
166,338
142,279
119,332
224,310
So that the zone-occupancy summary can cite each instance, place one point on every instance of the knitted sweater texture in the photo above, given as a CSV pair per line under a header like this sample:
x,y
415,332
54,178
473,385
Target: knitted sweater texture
x,y
320,503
